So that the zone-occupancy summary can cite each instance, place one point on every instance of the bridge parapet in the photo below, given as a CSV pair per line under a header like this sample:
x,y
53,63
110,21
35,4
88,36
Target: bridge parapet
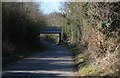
x,y
52,30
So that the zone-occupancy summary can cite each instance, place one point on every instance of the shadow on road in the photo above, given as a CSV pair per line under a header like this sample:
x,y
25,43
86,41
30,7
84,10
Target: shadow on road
x,y
56,61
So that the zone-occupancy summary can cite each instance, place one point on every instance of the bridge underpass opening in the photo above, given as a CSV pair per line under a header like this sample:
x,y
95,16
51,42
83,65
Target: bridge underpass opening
x,y
49,31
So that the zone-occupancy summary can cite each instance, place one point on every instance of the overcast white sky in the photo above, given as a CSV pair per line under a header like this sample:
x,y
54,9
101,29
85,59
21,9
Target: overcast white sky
x,y
49,6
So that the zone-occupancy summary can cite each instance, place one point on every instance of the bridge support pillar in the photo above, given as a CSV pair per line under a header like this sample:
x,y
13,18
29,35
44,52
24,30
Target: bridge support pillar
x,y
60,36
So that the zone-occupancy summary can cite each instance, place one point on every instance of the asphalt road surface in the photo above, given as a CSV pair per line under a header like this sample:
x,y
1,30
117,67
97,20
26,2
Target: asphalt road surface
x,y
55,62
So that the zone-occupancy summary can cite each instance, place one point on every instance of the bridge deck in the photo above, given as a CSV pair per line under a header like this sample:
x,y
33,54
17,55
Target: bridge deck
x,y
51,30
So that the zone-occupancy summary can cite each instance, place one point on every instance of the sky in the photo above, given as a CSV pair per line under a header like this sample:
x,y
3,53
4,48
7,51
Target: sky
x,y
49,6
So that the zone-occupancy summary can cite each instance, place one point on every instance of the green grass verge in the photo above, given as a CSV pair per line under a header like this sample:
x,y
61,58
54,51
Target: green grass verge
x,y
90,70
83,66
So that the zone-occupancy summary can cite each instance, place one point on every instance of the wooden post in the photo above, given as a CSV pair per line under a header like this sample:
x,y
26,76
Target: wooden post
x,y
59,38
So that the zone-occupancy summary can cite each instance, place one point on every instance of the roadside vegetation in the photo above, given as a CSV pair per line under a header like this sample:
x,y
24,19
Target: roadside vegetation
x,y
92,30
21,24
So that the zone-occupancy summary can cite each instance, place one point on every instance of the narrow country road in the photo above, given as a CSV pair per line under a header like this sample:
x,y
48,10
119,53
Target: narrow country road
x,y
56,62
